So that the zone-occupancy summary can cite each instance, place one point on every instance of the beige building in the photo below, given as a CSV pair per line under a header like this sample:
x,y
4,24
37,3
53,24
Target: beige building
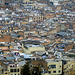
x,y
6,73
28,2
30,48
13,70
69,68
38,18
54,67
74,26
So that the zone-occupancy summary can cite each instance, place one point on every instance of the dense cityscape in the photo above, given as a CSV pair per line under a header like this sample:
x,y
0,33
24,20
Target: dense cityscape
x,y
37,37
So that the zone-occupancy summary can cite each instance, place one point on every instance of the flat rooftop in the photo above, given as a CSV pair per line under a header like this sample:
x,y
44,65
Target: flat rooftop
x,y
32,45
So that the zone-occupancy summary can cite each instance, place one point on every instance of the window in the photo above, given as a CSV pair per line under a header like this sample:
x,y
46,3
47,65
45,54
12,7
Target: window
x,y
60,66
18,70
54,71
14,70
33,58
53,66
49,72
45,71
6,73
59,71
11,70
13,65
10,65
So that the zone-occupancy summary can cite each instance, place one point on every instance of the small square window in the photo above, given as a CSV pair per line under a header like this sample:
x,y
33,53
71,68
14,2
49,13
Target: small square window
x,y
10,66
11,70
49,72
6,73
60,66
53,66
54,71
14,70
59,71
18,70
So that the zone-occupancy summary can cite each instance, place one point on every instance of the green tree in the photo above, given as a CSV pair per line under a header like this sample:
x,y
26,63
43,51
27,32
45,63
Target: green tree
x,y
27,70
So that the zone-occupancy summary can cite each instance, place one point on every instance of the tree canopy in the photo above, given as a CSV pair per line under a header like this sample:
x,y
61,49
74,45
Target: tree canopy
x,y
27,70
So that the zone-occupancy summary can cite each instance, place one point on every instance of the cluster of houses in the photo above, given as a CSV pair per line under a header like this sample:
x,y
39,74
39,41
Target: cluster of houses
x,y
41,32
